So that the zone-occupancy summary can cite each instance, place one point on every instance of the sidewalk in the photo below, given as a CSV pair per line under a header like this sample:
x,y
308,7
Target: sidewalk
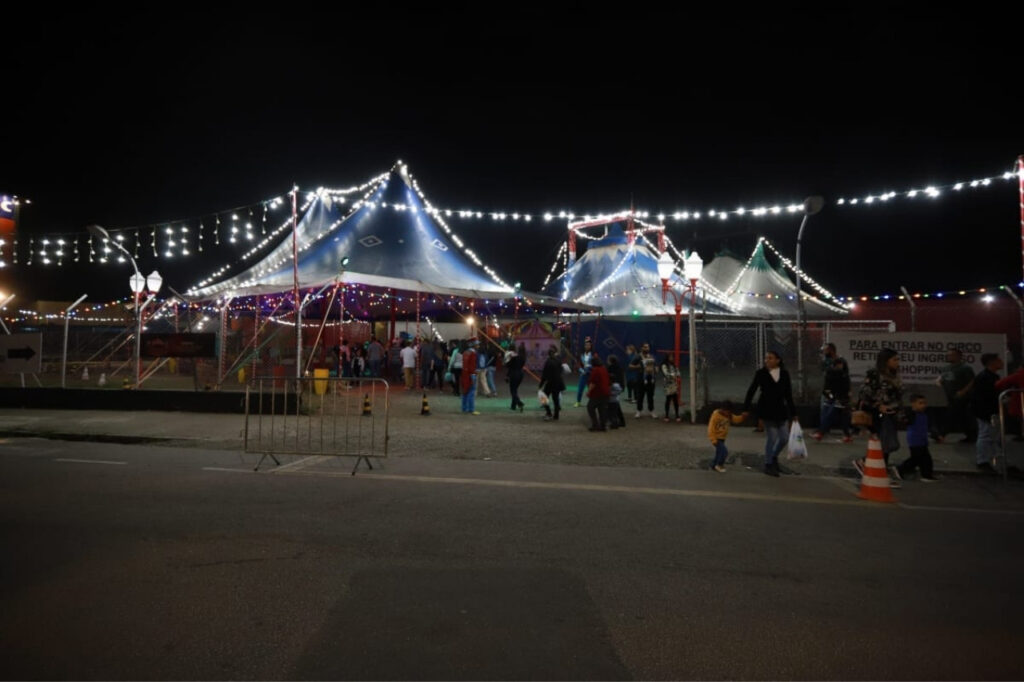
x,y
498,433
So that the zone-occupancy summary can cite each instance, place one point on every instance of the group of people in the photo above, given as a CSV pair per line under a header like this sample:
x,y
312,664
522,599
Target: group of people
x,y
972,408
972,400
353,360
605,381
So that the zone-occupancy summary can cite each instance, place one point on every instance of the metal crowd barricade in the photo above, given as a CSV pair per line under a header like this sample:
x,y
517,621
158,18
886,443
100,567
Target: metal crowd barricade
x,y
1002,424
326,416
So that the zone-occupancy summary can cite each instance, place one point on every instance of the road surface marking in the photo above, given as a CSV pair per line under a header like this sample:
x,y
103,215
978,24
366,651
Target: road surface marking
x,y
922,507
591,487
89,461
844,484
298,464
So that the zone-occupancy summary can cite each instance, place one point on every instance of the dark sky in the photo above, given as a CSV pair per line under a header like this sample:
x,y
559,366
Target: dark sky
x,y
126,120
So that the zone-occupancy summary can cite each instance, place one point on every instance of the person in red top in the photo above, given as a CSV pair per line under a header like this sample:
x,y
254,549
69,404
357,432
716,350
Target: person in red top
x,y
1015,404
598,393
468,378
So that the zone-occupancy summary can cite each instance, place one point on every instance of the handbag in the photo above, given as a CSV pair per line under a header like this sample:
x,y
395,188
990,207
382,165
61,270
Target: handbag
x,y
887,434
449,377
860,418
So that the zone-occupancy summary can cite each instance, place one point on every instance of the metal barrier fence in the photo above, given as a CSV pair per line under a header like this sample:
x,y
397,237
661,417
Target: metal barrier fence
x,y
1004,398
317,416
730,351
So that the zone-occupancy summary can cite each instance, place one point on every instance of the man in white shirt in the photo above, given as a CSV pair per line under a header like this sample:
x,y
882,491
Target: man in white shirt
x,y
408,354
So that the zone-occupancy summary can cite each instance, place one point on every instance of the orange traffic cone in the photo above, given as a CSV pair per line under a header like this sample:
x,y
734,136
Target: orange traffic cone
x,y
874,484
367,410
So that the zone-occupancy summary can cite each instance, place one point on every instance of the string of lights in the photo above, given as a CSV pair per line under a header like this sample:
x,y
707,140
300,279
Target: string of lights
x,y
177,240
554,266
282,253
82,314
804,277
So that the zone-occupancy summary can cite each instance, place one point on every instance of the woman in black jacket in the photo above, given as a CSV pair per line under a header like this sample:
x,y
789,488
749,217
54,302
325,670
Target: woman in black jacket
x,y
551,383
774,407
514,363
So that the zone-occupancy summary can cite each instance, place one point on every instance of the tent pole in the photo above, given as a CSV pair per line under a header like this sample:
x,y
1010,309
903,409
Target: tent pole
x,y
256,338
419,368
323,323
295,275
394,317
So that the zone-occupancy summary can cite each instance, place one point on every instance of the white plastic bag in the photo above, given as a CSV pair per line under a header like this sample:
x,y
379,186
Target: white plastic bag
x,y
797,446
542,397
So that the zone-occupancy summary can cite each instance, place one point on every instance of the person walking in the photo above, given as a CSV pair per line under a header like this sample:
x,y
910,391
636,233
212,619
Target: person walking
x,y
835,395
455,366
633,369
955,379
375,356
882,396
344,359
670,376
985,405
492,368
438,365
774,407
718,430
598,392
408,358
648,379
357,367
917,441
482,359
514,367
552,384
585,364
1015,406
615,377
469,378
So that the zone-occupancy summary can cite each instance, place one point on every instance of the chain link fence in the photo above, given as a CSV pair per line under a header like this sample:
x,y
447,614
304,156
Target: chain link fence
x,y
730,351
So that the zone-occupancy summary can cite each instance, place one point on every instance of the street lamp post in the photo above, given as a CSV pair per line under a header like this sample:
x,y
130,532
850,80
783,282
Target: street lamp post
x,y
692,268
812,205
138,284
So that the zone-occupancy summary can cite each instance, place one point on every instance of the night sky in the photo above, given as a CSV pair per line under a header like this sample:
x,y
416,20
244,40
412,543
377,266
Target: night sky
x,y
130,120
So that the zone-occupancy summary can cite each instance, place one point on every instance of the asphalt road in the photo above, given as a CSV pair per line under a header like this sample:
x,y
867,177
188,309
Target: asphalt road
x,y
140,562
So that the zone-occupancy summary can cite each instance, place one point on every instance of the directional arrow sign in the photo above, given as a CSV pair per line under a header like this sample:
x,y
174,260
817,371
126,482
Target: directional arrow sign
x,y
25,353
21,353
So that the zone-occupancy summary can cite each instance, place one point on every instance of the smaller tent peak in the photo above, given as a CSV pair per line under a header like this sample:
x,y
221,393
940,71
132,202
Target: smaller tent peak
x,y
758,260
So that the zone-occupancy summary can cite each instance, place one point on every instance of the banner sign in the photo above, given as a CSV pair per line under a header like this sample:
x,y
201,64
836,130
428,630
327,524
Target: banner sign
x,y
922,354
179,345
21,353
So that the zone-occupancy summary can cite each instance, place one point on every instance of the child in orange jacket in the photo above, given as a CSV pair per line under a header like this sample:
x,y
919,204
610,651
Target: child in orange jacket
x,y
718,429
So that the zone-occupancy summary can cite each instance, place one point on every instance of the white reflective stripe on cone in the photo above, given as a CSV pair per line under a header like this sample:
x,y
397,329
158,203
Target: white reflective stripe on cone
x,y
875,482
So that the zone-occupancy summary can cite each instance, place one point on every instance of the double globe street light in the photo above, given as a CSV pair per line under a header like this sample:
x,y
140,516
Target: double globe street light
x,y
692,267
139,285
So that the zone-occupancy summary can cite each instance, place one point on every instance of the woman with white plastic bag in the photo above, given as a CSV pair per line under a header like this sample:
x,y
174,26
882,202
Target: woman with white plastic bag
x,y
774,407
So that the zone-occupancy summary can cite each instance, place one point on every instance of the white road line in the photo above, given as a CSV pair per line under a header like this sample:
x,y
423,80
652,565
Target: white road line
x,y
543,485
296,464
921,507
593,487
88,461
